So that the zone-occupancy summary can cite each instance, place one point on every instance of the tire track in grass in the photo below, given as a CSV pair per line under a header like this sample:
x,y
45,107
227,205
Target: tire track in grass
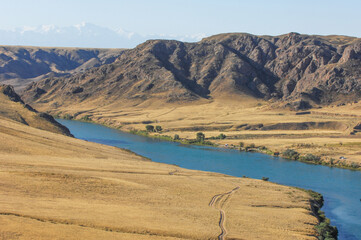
x,y
218,202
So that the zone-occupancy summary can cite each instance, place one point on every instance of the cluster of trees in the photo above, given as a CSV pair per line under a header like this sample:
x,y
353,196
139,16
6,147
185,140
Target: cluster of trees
x,y
220,136
294,155
201,139
151,128
247,148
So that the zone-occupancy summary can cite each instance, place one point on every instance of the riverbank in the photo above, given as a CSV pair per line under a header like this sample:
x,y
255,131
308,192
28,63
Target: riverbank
x,y
56,187
303,153
324,228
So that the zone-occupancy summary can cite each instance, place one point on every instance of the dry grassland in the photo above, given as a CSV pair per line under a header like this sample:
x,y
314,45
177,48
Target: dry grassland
x,y
56,187
324,132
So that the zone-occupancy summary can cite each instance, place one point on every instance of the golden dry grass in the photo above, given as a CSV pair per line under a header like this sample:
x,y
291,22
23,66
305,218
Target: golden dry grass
x,y
227,116
56,187
18,112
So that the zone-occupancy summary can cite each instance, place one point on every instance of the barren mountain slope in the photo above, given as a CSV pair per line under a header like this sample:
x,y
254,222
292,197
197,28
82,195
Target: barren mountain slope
x,y
317,69
21,65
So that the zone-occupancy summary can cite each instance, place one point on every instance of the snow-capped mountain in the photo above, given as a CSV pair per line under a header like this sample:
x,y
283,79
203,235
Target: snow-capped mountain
x,y
81,35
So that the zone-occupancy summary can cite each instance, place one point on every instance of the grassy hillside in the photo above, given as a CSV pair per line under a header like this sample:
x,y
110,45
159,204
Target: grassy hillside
x,y
57,187
12,107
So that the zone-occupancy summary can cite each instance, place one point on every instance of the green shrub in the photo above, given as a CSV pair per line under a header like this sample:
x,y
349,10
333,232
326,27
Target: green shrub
x,y
252,145
86,118
149,128
262,148
68,116
158,128
200,137
57,115
222,136
326,231
176,137
265,178
310,158
291,154
163,137
139,132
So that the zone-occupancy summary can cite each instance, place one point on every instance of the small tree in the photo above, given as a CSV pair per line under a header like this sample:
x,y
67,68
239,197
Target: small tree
x,y
241,144
158,128
200,137
252,145
222,136
176,137
149,128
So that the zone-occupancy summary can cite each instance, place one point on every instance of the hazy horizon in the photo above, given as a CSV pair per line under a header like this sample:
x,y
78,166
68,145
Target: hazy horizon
x,y
124,24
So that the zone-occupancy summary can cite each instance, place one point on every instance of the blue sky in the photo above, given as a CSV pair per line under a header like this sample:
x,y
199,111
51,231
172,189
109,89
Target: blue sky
x,y
191,17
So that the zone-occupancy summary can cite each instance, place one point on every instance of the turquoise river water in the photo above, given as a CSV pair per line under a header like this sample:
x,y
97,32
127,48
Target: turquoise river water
x,y
341,188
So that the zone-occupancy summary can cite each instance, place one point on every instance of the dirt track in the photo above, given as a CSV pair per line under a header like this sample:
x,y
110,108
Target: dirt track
x,y
218,201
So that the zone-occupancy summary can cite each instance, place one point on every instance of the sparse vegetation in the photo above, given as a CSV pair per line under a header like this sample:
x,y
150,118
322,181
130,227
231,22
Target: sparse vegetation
x,y
200,137
220,136
324,229
262,148
67,116
57,115
291,154
310,158
252,145
163,137
86,118
140,132
149,128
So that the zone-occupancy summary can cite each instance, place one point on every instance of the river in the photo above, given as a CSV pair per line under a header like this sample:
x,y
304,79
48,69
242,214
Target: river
x,y
341,188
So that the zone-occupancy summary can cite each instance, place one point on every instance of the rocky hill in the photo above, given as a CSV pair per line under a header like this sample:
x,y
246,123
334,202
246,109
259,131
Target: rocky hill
x,y
21,65
13,108
301,70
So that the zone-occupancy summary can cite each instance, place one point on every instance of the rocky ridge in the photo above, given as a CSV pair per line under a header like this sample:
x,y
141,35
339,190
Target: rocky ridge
x,y
301,70
12,107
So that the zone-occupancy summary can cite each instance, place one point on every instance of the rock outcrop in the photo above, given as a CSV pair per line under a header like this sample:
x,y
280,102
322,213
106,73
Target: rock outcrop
x,y
298,69
13,107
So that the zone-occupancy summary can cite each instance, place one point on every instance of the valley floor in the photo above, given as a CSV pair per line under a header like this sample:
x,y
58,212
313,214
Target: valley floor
x,y
324,132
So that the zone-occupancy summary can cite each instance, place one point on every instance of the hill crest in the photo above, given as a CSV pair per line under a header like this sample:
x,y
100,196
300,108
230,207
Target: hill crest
x,y
291,67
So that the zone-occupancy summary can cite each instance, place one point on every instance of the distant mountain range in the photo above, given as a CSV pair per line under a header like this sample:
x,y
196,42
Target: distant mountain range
x,y
22,65
83,35
300,70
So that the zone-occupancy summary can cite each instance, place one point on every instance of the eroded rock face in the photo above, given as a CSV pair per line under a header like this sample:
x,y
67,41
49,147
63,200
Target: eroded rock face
x,y
10,92
26,112
289,67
